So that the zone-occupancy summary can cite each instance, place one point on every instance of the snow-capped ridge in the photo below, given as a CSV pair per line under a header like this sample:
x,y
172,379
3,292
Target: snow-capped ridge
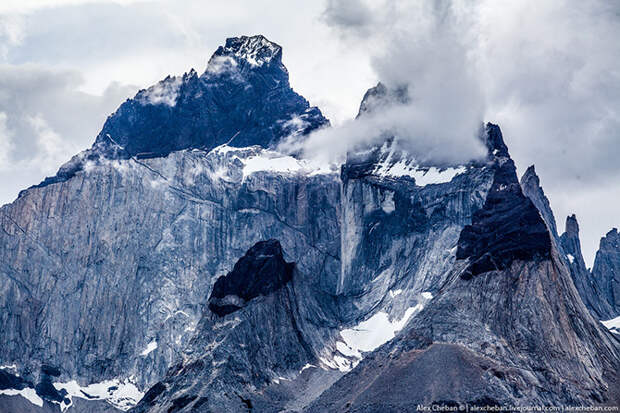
x,y
256,159
253,50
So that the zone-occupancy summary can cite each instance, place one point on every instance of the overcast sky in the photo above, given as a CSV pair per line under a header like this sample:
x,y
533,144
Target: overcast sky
x,y
548,72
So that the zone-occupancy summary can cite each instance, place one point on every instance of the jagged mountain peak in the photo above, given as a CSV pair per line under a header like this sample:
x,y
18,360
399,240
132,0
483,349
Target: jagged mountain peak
x,y
530,184
254,51
572,225
612,234
495,140
530,173
243,99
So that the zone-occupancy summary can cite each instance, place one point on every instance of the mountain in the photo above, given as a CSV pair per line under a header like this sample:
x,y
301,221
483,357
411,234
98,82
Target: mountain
x,y
606,272
243,98
183,264
105,273
596,287
597,302
503,329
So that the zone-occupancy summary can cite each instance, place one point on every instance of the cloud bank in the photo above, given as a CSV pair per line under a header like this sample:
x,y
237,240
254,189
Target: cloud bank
x,y
422,48
44,119
546,72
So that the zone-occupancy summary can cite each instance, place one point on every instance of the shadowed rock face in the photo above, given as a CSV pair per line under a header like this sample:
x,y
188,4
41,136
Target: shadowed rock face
x,y
243,98
261,271
508,227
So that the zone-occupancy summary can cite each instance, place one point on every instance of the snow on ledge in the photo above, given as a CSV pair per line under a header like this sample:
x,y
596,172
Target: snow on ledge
x,y
371,334
28,393
613,325
275,162
256,159
121,394
422,176
392,166
149,348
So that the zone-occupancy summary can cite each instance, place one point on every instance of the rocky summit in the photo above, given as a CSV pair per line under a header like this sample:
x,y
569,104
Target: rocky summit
x,y
184,264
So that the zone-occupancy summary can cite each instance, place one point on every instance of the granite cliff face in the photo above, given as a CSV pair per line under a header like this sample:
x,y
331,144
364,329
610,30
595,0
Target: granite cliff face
x,y
105,273
183,264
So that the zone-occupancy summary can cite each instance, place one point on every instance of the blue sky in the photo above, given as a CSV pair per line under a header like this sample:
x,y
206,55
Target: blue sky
x,y
547,72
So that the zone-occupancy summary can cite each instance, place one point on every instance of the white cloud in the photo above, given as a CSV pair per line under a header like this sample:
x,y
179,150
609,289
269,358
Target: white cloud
x,y
546,72
6,142
28,6
44,120
420,47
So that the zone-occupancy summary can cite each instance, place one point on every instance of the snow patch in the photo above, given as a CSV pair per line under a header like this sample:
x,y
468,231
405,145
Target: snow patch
x,y
120,394
149,348
370,334
307,366
613,325
387,204
276,162
28,393
408,167
12,367
570,257
378,329
394,293
423,176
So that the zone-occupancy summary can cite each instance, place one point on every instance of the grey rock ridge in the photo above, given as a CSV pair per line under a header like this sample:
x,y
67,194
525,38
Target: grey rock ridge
x,y
183,264
606,271
598,300
596,286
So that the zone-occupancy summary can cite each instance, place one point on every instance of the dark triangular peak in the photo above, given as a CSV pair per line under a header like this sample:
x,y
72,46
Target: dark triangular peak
x,y
495,140
242,99
530,184
509,226
261,271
